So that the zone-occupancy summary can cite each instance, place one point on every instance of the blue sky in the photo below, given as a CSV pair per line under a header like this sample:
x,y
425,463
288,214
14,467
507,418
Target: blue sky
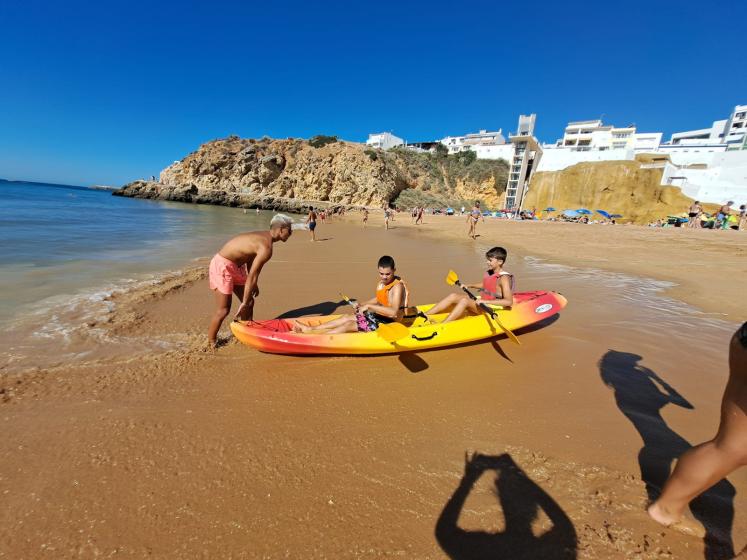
x,y
108,92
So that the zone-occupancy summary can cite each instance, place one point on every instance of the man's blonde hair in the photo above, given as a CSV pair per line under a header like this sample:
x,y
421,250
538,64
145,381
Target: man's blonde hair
x,y
281,221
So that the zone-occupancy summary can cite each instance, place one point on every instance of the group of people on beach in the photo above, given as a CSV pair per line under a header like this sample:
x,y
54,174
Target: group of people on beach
x,y
723,218
235,270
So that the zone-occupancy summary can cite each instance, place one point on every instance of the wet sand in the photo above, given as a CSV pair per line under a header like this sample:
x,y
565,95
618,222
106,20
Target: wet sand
x,y
186,453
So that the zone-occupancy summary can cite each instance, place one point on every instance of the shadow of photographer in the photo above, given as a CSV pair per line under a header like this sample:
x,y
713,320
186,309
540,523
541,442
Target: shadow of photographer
x,y
640,395
521,501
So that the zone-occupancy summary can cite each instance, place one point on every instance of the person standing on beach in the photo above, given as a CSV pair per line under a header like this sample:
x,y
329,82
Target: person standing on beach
x,y
742,217
702,466
694,213
235,270
365,216
387,215
472,219
419,219
311,221
722,216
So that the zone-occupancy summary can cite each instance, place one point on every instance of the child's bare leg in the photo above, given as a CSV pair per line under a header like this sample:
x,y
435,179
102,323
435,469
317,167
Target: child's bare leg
x,y
223,307
462,306
703,466
445,304
328,327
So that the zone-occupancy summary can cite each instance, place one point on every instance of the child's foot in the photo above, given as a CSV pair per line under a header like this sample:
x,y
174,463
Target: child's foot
x,y
301,328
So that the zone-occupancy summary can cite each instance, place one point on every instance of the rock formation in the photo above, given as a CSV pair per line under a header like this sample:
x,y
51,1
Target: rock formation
x,y
618,187
286,174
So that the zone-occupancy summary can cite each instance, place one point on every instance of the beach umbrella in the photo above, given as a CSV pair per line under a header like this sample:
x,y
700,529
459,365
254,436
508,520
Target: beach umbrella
x,y
549,209
616,215
570,213
583,211
604,213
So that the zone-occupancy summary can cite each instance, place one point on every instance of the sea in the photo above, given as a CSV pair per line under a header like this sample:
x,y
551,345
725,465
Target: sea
x,y
67,246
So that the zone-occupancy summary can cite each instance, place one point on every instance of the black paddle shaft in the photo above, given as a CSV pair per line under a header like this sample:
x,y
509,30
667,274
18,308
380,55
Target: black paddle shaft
x,y
474,298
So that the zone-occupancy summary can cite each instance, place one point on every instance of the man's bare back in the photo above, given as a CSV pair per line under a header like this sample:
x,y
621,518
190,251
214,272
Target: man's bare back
x,y
245,247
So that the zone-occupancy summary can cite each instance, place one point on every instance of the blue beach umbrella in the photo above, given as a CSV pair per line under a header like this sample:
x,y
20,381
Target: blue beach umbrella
x,y
583,211
570,213
604,213
549,209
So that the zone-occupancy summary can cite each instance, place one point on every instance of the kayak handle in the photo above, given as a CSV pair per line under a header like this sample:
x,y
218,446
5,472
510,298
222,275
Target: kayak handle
x,y
429,337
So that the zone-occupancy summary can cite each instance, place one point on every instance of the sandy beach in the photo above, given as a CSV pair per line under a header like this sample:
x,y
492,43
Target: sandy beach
x,y
174,451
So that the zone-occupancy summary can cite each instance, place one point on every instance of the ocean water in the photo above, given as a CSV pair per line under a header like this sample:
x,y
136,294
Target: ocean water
x,y
63,243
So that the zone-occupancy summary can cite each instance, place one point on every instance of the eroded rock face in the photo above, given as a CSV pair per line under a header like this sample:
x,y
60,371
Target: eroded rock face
x,y
247,172
618,187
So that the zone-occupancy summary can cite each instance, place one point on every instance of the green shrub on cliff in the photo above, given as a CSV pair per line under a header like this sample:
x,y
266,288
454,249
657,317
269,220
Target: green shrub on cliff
x,y
321,140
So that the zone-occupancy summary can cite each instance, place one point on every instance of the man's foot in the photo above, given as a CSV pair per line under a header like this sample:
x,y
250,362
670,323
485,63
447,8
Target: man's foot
x,y
678,523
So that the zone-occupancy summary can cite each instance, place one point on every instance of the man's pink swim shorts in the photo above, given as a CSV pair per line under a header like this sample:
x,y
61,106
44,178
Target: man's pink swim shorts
x,y
225,274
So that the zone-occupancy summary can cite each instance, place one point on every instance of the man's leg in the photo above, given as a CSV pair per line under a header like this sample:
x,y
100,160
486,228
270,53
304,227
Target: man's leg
x,y
703,466
222,308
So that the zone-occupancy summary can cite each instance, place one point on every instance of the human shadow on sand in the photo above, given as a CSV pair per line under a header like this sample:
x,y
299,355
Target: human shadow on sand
x,y
521,501
640,395
322,308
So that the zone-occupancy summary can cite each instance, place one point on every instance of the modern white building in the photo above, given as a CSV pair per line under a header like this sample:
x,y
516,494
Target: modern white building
x,y
646,142
457,144
384,140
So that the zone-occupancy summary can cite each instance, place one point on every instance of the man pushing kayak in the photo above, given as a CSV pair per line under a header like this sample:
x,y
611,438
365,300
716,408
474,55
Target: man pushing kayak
x,y
235,270
388,306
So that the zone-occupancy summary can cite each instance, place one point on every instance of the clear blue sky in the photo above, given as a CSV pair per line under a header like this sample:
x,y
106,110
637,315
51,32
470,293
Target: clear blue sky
x,y
107,92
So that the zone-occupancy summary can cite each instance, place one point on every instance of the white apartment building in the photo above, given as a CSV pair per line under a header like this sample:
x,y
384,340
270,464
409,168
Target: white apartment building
x,y
457,144
384,140
584,136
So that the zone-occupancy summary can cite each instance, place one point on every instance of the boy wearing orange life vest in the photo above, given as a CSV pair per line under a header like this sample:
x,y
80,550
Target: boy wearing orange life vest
x,y
388,305
497,288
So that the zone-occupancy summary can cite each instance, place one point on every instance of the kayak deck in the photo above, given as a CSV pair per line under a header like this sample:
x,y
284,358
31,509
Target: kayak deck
x,y
276,335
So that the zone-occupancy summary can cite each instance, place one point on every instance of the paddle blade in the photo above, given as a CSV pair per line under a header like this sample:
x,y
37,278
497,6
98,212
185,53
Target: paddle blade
x,y
392,332
452,278
510,334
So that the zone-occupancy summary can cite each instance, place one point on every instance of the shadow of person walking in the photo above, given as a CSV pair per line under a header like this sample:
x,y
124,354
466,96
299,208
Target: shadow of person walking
x,y
521,500
640,395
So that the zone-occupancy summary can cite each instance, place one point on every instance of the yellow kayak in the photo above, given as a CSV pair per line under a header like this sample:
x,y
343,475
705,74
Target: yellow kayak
x,y
276,335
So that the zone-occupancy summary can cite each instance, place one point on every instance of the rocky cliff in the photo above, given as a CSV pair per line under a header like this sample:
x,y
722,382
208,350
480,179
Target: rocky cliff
x,y
619,187
284,174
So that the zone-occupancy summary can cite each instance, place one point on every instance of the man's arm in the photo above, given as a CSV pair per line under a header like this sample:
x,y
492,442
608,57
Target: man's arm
x,y
250,288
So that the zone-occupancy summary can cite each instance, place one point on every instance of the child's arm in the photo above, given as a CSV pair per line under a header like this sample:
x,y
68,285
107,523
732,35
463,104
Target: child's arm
x,y
508,295
396,295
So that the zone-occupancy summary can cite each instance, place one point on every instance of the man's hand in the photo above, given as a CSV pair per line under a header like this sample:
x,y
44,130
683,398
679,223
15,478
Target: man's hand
x,y
241,312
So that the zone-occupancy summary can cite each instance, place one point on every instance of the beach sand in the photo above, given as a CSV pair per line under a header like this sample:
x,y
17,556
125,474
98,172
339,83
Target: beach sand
x,y
188,453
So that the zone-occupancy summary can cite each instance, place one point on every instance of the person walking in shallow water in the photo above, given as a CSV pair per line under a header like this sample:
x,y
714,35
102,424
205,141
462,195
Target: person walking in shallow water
x,y
235,270
704,465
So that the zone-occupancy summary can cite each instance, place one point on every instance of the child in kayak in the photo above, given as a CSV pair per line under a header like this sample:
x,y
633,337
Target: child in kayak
x,y
388,305
497,288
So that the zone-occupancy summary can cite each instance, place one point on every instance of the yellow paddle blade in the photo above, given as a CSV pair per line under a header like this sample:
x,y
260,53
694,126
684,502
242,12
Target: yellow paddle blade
x,y
452,278
392,332
510,334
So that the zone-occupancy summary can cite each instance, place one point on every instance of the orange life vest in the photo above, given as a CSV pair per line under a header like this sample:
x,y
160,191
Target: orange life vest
x,y
382,292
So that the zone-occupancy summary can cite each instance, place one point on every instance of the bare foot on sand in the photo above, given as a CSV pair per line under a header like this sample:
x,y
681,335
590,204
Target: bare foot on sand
x,y
678,523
